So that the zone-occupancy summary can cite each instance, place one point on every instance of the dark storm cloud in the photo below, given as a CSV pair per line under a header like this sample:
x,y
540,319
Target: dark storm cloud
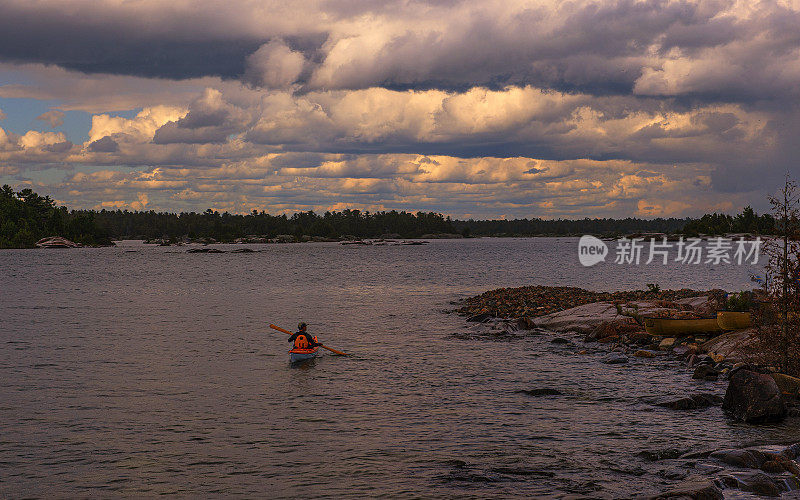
x,y
593,47
210,120
93,52
173,132
104,145
146,39
60,147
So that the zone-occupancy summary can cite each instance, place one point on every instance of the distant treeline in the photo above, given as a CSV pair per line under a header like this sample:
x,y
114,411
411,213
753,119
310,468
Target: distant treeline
x,y
746,222
227,227
712,224
26,217
563,227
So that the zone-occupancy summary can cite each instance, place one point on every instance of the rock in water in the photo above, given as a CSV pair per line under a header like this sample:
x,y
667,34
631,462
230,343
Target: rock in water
x,y
788,385
680,404
754,398
644,354
541,392
615,359
698,488
693,402
666,344
706,372
758,483
681,350
56,242
640,338
744,458
480,318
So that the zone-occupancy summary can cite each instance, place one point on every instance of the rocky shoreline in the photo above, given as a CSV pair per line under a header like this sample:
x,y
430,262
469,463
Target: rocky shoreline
x,y
612,322
535,301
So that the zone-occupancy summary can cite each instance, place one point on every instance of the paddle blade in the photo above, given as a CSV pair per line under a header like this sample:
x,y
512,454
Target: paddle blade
x,y
280,329
340,353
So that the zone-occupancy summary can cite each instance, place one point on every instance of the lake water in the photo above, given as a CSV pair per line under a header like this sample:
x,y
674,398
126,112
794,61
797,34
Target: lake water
x,y
141,370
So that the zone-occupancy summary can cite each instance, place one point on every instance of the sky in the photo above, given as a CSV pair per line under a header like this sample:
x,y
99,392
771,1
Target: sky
x,y
482,109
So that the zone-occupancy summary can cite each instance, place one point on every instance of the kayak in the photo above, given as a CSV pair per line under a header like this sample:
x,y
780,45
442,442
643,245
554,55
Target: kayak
x,y
729,320
296,355
678,327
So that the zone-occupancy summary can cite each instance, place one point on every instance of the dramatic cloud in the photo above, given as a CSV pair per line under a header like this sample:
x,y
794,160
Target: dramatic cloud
x,y
98,93
274,65
656,46
54,118
462,187
591,107
103,145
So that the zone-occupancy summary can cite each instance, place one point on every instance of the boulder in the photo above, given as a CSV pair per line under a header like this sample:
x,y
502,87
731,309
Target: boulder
x,y
758,483
743,458
772,466
730,346
789,386
644,354
56,242
641,338
754,398
480,318
615,359
582,319
705,372
546,391
696,488
666,344
738,366
706,399
692,402
787,464
703,304
791,452
522,324
681,350
679,404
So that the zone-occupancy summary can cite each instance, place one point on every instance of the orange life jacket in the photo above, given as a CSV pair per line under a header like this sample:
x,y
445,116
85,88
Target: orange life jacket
x,y
301,343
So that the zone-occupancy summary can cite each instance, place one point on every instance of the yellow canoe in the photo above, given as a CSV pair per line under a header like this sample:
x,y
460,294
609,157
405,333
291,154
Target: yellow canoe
x,y
729,320
679,327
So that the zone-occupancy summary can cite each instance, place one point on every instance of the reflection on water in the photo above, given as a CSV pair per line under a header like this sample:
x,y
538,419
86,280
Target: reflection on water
x,y
155,372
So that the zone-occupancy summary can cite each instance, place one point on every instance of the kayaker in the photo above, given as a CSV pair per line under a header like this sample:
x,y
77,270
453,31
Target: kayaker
x,y
302,340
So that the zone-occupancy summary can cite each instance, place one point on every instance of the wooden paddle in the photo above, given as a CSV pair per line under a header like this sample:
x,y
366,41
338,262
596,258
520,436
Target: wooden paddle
x,y
340,353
